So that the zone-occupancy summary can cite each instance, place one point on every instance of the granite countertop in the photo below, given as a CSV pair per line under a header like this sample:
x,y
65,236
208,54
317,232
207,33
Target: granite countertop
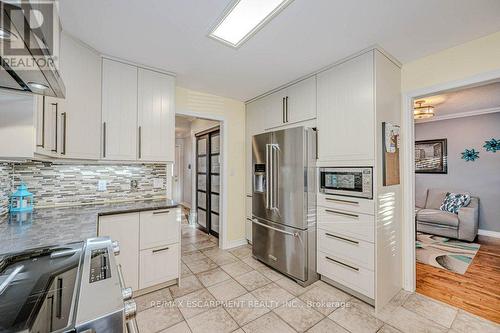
x,y
50,226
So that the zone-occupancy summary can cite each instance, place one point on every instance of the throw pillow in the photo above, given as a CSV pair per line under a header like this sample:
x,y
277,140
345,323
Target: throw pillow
x,y
454,201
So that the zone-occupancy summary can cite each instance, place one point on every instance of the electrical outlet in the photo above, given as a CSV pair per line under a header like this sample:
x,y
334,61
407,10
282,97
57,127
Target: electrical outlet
x,y
102,185
157,183
134,184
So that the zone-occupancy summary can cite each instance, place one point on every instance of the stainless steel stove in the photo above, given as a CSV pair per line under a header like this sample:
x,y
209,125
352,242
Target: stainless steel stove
x,y
77,287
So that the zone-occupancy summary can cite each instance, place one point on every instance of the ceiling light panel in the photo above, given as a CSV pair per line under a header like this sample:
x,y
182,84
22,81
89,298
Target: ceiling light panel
x,y
244,18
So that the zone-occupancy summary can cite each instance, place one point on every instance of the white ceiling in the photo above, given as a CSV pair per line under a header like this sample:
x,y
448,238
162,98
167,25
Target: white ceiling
x,y
466,100
306,36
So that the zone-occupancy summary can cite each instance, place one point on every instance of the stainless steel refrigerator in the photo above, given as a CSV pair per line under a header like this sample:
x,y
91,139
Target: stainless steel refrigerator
x,y
284,202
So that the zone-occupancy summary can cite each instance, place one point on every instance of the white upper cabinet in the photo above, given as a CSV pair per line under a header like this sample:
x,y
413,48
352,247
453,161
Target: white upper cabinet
x,y
300,101
156,116
119,111
80,111
70,127
346,112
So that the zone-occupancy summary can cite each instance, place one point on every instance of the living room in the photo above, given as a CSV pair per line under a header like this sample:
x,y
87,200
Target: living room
x,y
457,188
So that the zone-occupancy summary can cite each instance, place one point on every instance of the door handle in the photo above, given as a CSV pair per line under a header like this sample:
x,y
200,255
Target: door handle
x,y
275,172
338,262
294,234
269,177
286,109
283,110
342,238
140,141
335,212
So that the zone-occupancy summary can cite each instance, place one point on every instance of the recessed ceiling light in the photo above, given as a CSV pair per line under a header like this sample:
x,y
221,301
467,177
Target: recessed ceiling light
x,y
6,34
244,18
37,86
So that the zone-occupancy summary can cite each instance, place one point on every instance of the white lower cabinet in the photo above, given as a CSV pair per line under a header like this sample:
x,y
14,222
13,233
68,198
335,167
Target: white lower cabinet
x,y
149,245
124,228
158,265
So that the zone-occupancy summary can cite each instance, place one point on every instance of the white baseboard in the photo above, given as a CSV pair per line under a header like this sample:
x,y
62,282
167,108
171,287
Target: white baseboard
x,y
235,243
489,233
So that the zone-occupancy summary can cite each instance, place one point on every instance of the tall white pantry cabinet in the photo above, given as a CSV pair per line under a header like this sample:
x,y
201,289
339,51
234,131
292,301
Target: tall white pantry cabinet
x,y
359,247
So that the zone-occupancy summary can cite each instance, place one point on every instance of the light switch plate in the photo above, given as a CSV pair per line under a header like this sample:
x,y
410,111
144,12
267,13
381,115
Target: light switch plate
x,y
102,185
157,183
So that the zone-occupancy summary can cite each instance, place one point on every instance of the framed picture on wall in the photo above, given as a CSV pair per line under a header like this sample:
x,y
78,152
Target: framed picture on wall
x,y
431,156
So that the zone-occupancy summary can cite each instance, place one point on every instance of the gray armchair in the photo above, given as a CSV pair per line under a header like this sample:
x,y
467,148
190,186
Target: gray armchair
x,y
431,220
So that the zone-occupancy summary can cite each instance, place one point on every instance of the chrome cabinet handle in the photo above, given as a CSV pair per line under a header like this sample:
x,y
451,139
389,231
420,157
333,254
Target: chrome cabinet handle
x,y
157,212
341,238
342,264
64,114
42,145
283,111
104,139
140,141
343,201
160,250
56,130
294,234
335,212
286,109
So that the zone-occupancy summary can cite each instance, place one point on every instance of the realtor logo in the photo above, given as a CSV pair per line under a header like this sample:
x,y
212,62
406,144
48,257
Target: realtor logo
x,y
29,34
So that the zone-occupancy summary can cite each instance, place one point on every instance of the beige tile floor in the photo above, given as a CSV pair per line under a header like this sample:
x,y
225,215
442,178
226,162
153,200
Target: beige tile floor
x,y
228,291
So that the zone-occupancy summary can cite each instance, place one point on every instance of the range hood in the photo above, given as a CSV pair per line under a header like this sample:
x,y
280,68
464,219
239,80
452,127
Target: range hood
x,y
28,56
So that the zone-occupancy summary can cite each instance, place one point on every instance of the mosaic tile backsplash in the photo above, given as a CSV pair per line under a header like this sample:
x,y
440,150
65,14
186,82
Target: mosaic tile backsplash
x,y
5,187
70,184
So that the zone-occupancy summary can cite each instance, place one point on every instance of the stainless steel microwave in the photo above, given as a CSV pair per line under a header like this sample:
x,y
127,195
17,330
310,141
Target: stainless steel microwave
x,y
351,182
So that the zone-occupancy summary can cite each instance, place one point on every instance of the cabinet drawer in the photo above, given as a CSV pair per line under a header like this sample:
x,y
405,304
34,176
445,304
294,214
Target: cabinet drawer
x,y
159,227
356,251
346,273
158,265
355,225
357,205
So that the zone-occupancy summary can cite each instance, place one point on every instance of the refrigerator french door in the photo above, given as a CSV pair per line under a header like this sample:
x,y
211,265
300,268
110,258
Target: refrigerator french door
x,y
208,181
284,202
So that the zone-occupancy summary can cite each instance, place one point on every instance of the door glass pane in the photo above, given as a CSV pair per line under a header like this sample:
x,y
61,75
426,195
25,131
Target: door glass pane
x,y
214,222
215,144
202,146
202,218
202,200
202,182
215,184
214,204
215,161
202,164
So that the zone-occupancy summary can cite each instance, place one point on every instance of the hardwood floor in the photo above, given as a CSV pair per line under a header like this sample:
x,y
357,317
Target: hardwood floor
x,y
477,291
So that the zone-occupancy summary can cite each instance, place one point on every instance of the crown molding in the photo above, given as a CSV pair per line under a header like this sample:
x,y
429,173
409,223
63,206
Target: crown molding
x,y
459,115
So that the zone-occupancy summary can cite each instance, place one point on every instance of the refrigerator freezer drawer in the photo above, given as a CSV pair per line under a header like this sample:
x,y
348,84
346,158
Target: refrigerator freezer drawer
x,y
280,247
346,273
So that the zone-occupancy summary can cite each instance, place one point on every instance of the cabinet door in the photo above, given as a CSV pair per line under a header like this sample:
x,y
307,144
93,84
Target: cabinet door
x,y
80,111
160,227
119,111
346,111
272,111
159,265
301,101
156,116
124,228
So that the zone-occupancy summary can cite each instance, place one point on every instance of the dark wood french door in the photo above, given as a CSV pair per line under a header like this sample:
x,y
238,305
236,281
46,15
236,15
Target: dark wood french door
x,y
208,180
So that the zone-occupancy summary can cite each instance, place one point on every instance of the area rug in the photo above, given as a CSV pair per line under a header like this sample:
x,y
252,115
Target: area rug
x,y
445,253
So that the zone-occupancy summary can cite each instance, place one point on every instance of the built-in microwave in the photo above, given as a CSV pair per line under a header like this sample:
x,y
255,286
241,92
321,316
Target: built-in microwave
x,y
351,181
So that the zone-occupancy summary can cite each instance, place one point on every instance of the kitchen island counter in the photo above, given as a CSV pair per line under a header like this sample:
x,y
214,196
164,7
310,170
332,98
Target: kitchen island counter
x,y
59,225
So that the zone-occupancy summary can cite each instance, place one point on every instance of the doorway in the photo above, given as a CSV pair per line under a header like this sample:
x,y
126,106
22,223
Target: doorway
x,y
208,180
177,174
443,283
